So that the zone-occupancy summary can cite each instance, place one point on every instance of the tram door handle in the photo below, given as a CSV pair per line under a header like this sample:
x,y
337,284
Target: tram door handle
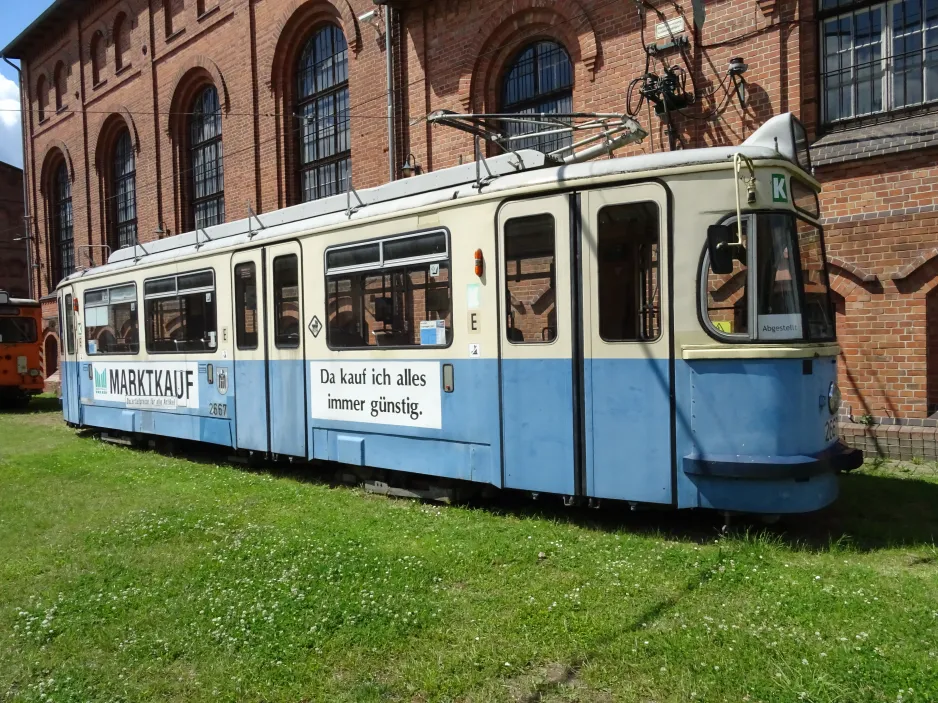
x,y
448,382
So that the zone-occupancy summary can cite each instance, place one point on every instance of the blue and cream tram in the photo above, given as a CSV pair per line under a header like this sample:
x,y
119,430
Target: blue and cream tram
x,y
654,329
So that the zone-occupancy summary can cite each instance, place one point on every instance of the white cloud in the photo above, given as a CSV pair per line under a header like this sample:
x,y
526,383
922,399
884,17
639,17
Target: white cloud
x,y
11,135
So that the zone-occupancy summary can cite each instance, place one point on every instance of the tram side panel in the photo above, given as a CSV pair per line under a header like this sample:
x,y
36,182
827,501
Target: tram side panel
x,y
174,378
401,345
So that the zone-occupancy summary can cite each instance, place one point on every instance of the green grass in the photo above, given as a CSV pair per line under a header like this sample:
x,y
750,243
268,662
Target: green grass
x,y
130,576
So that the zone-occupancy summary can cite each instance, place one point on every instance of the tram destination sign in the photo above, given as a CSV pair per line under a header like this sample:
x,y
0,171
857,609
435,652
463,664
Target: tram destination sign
x,y
163,385
403,393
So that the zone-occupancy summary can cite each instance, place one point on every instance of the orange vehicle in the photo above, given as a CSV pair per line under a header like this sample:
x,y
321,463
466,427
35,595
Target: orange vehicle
x,y
20,368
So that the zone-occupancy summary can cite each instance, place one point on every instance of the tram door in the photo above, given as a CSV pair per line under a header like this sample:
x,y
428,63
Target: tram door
x,y
626,347
69,374
537,363
250,356
286,369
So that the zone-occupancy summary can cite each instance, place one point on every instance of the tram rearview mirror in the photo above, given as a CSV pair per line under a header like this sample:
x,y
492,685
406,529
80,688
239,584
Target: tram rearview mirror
x,y
721,251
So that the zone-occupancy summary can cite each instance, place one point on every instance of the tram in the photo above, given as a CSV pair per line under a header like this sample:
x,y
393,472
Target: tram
x,y
20,350
654,329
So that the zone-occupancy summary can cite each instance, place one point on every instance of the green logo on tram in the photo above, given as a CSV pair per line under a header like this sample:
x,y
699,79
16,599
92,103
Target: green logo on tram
x,y
100,380
779,188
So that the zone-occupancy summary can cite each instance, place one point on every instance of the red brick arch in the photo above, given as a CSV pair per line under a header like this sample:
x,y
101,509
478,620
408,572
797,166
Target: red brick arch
x,y
197,72
54,149
294,26
519,23
109,122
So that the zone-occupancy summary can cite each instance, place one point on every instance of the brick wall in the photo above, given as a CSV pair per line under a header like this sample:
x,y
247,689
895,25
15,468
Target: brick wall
x,y
12,253
137,64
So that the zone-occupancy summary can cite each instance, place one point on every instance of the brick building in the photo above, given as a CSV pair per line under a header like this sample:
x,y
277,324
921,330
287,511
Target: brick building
x,y
13,278
149,117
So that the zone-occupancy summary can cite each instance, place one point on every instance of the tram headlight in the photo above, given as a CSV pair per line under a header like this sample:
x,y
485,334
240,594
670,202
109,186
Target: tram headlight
x,y
833,398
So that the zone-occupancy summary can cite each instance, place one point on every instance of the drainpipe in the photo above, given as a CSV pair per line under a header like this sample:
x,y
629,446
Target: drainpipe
x,y
26,218
389,61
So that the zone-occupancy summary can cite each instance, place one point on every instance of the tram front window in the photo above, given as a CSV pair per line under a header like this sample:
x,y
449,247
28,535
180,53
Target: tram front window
x,y
791,300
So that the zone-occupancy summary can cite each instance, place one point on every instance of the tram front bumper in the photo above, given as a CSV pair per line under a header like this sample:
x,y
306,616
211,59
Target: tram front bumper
x,y
835,459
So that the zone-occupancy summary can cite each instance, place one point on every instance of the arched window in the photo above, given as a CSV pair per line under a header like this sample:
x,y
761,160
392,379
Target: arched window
x,y
42,97
323,106
121,34
123,193
62,222
205,160
538,80
59,78
97,57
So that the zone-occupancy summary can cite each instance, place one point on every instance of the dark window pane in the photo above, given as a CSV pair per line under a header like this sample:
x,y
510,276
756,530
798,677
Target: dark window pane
x,y
410,247
627,252
160,285
17,330
124,205
286,302
353,256
181,323
70,323
539,80
323,110
62,222
206,160
246,305
530,280
199,279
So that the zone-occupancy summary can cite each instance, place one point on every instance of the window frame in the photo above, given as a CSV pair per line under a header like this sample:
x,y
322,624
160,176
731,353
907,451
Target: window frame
x,y
70,346
118,179
308,124
279,342
202,147
562,142
658,272
886,68
108,288
62,205
239,310
504,272
381,266
752,314
175,294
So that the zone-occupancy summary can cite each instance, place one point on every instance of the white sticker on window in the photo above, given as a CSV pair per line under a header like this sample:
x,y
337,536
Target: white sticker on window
x,y
787,326
432,332
473,296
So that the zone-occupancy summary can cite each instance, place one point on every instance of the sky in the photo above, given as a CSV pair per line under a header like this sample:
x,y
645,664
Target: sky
x,y
15,16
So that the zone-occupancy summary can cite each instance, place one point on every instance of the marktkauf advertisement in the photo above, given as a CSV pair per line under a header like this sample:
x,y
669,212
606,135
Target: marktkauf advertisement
x,y
163,385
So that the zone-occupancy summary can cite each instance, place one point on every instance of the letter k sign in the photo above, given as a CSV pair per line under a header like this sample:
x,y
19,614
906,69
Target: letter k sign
x,y
779,188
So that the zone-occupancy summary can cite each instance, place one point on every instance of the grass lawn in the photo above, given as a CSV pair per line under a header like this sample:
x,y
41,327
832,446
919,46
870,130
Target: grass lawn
x,y
130,576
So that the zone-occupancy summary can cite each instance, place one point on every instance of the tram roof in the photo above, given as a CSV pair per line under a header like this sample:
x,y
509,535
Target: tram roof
x,y
506,172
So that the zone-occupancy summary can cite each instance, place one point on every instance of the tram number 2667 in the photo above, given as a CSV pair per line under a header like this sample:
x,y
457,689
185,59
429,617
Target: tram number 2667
x,y
830,430
218,409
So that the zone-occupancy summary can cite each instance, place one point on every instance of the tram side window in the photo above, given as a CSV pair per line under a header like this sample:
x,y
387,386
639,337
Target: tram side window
x,y
628,256
530,277
111,320
394,292
69,324
246,305
727,294
180,313
286,302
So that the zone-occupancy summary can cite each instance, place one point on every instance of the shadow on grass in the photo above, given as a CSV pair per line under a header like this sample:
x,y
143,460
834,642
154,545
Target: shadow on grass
x,y
876,509
36,404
